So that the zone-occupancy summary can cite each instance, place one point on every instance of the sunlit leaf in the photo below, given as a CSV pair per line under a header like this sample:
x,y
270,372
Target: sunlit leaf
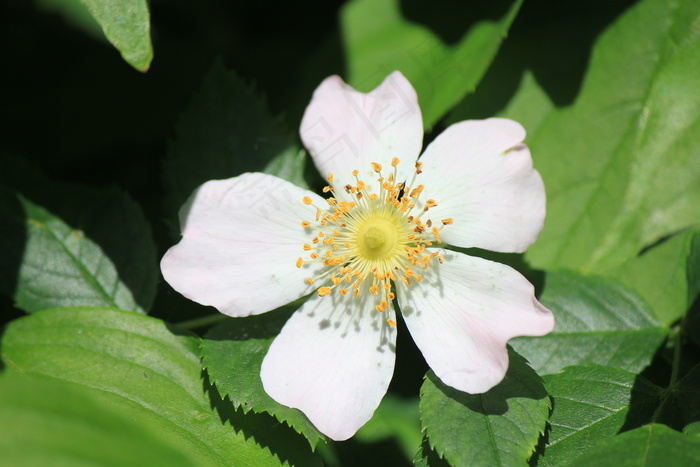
x,y
662,276
232,353
650,445
591,403
379,40
126,24
620,164
151,372
499,427
44,421
596,321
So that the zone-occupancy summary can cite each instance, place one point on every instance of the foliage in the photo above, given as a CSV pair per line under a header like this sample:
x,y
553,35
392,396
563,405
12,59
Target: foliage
x,y
103,363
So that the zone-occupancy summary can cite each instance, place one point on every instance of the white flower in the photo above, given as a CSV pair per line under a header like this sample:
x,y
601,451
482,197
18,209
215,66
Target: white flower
x,y
255,242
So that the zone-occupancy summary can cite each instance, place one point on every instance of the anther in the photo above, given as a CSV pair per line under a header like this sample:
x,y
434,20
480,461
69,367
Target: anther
x,y
300,261
307,200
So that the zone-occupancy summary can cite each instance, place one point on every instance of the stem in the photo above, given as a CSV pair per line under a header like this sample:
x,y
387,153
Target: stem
x,y
202,322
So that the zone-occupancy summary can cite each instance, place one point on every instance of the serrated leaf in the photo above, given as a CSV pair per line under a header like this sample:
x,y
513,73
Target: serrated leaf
x,y
660,276
620,164
426,457
152,373
126,24
378,40
499,427
226,130
49,264
650,445
232,353
596,321
48,422
591,403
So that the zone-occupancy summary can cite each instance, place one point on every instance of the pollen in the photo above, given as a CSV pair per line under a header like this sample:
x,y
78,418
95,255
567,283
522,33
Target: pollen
x,y
371,235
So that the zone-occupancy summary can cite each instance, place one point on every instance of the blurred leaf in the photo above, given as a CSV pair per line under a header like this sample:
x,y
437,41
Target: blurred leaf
x,y
378,40
650,445
126,24
48,422
150,373
530,106
232,353
499,427
227,130
75,13
48,264
591,403
662,276
394,418
620,164
596,321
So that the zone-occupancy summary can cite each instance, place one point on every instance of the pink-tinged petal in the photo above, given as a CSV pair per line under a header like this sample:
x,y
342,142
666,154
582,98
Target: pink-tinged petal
x,y
241,238
333,360
344,129
481,175
462,314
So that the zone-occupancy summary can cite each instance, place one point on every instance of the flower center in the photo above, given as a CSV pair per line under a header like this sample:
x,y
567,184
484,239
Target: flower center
x,y
372,236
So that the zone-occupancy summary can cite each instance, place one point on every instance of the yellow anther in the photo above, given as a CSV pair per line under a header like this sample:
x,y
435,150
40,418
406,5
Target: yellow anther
x,y
395,162
376,167
307,247
306,224
419,167
447,221
436,232
309,281
343,292
329,178
391,322
387,285
323,291
314,255
390,296
299,262
374,289
355,173
307,200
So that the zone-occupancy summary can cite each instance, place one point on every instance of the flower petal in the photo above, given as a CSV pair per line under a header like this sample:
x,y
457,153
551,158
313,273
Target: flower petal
x,y
344,129
240,240
333,360
481,175
462,314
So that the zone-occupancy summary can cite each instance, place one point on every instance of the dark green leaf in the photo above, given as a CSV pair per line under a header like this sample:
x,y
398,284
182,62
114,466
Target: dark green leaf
x,y
596,321
126,24
591,403
226,130
426,457
48,422
647,446
150,372
50,264
499,427
378,40
232,353
620,164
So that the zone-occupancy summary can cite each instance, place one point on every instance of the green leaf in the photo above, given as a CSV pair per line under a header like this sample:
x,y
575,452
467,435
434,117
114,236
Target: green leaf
x,y
650,445
620,164
596,321
226,130
426,457
378,40
499,427
48,264
75,13
49,422
661,276
394,418
591,403
232,353
152,374
126,24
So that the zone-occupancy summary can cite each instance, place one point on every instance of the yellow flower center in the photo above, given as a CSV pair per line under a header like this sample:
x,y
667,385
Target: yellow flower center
x,y
372,236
